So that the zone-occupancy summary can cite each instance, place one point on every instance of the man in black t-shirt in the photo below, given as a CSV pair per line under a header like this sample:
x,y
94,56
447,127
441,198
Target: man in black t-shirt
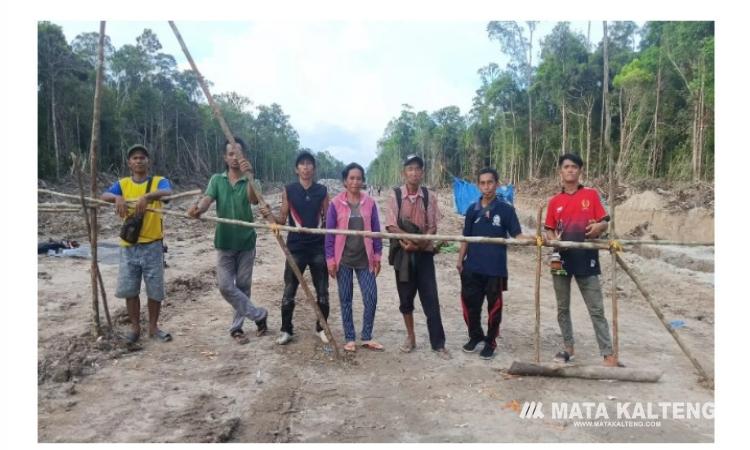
x,y
303,204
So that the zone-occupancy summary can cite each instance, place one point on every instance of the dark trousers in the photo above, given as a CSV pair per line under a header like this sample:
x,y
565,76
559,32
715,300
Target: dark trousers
x,y
422,281
474,288
316,261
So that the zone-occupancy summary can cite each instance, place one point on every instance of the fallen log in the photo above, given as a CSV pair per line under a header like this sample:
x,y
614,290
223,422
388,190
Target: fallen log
x,y
586,372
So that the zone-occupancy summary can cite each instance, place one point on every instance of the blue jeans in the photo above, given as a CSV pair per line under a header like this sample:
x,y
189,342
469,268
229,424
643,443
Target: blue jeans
x,y
369,290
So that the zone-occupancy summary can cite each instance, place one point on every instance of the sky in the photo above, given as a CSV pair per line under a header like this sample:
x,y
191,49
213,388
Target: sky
x,y
339,81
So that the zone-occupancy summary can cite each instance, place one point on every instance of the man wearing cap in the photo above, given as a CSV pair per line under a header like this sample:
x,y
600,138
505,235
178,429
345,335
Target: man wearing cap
x,y
145,258
235,244
412,208
577,213
303,204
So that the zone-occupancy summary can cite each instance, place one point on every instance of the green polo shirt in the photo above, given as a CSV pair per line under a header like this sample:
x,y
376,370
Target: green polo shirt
x,y
231,203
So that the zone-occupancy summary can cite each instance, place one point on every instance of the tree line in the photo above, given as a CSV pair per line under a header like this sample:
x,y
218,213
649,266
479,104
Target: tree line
x,y
523,116
146,99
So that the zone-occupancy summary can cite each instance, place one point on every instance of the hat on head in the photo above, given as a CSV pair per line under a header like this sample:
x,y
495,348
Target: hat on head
x,y
411,158
137,147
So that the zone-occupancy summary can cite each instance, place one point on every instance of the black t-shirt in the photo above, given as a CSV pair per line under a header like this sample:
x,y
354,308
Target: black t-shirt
x,y
305,209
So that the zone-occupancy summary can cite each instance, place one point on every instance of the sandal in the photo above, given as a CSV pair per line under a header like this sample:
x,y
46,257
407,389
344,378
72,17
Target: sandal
x,y
407,346
239,337
619,364
443,353
132,337
563,357
350,347
373,345
163,336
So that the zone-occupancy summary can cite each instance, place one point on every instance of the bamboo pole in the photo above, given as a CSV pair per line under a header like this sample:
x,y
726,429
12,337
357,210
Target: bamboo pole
x,y
612,198
638,242
371,234
93,227
63,205
230,137
93,201
94,261
182,195
537,284
663,320
59,210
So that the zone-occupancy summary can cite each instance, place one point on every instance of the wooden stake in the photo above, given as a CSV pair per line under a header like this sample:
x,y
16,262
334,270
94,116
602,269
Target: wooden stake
x,y
664,322
537,301
94,262
93,164
612,194
230,137
586,372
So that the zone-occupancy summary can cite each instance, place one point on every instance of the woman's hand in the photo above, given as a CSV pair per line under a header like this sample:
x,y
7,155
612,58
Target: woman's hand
x,y
332,271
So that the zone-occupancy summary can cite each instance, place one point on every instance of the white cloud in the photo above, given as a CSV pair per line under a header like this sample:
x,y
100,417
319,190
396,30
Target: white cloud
x,y
340,81
352,74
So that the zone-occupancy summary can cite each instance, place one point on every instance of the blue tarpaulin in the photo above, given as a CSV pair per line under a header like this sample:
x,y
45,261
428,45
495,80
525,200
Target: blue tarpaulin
x,y
465,193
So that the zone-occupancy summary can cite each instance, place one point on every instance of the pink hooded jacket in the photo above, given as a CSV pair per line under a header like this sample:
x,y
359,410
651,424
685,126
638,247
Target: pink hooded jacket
x,y
337,217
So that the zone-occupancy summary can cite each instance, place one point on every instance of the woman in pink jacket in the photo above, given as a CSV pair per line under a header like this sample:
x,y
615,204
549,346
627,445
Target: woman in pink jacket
x,y
353,209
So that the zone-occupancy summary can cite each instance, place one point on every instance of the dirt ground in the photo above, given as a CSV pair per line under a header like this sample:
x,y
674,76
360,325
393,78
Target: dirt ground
x,y
203,387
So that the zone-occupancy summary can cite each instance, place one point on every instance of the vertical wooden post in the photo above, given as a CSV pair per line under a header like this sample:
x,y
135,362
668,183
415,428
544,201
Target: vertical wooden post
x,y
537,302
612,194
230,137
93,165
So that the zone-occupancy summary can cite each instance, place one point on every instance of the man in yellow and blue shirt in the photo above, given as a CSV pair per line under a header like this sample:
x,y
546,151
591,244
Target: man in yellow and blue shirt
x,y
144,259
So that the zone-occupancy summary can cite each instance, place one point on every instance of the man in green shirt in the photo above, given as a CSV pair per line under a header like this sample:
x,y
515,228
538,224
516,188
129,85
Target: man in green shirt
x,y
235,245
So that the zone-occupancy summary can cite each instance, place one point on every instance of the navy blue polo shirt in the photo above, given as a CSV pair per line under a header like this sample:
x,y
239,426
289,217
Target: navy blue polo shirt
x,y
498,220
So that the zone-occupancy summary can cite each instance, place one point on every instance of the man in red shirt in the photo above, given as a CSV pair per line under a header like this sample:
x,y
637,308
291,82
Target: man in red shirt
x,y
577,214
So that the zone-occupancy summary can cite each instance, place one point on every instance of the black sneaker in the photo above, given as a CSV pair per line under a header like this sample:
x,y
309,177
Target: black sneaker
x,y
262,327
487,352
471,346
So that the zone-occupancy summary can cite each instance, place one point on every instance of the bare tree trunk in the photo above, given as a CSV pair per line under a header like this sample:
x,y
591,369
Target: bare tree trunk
x,y
623,131
78,133
655,150
701,111
564,128
588,133
528,95
54,127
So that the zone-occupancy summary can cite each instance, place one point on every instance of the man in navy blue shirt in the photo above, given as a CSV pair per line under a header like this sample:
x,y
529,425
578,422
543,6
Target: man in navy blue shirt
x,y
484,267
